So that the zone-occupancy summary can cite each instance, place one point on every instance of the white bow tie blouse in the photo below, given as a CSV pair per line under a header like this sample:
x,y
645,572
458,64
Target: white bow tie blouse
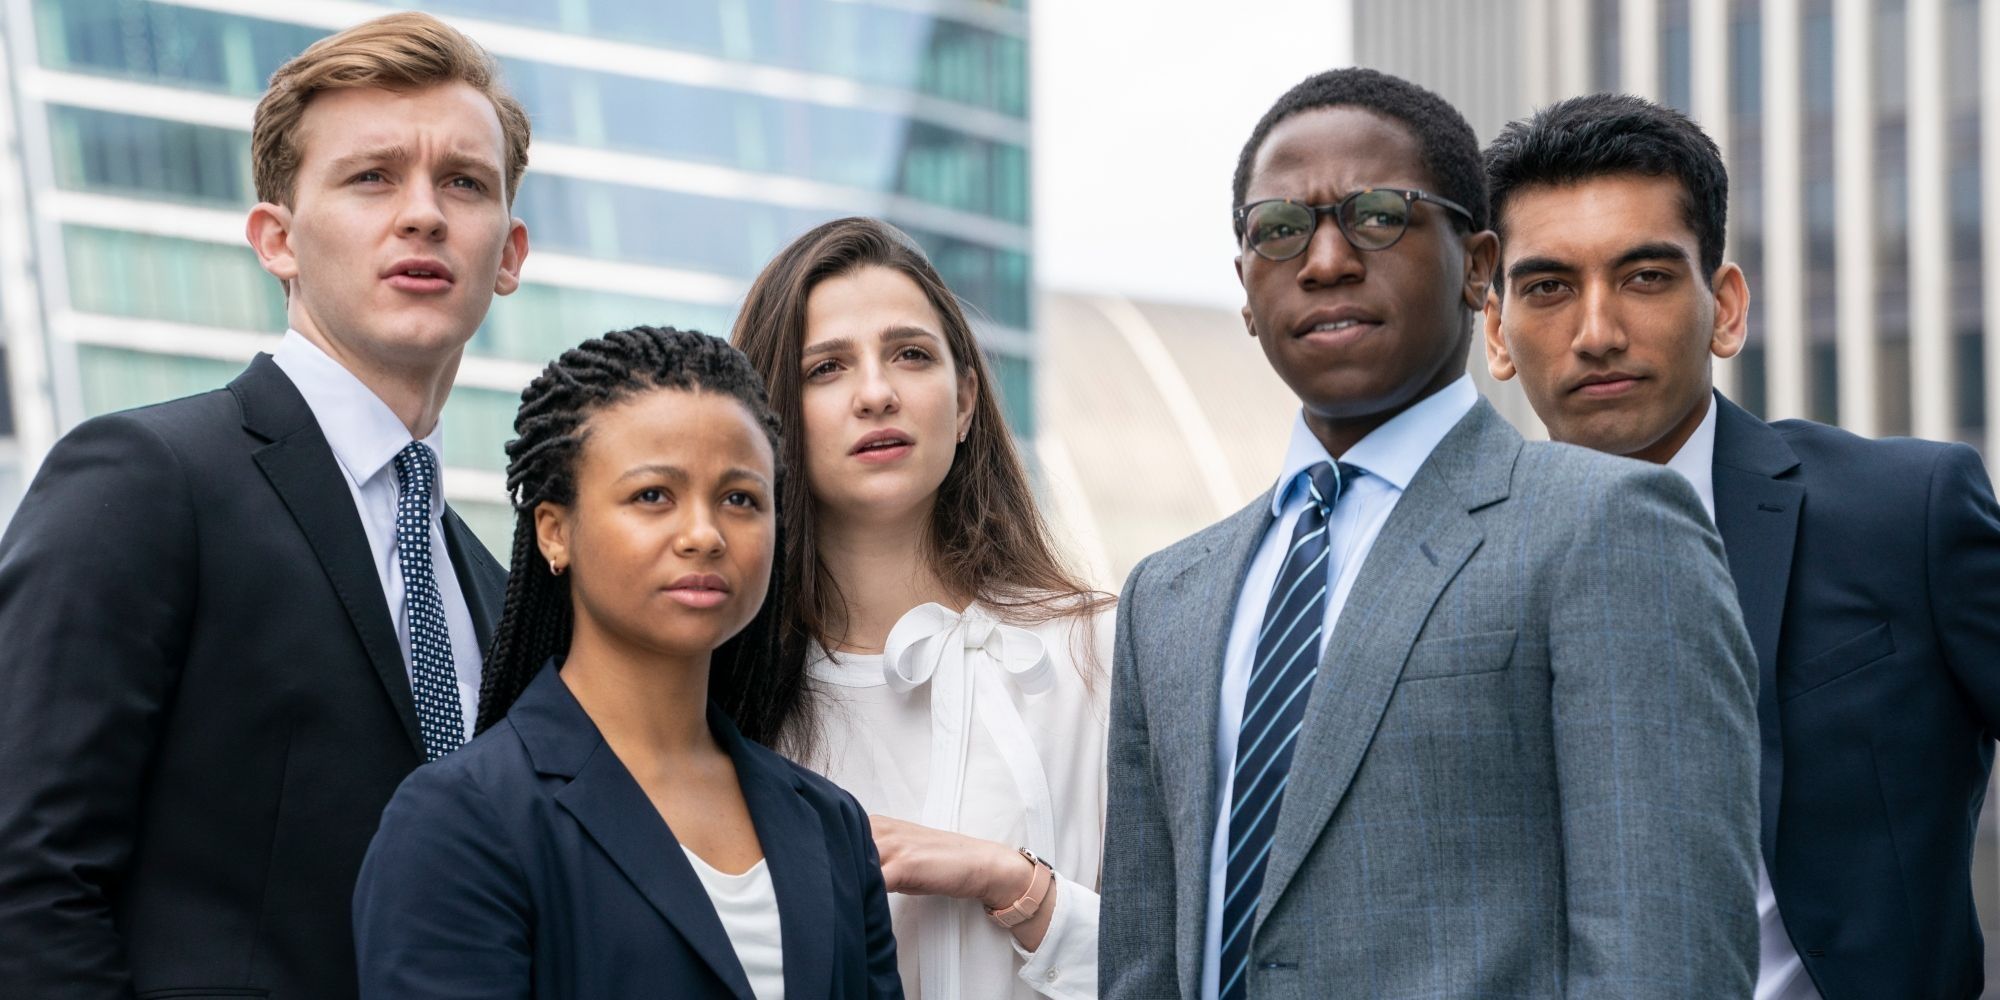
x,y
968,724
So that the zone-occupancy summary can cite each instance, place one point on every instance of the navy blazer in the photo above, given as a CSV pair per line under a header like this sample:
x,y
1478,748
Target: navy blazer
x,y
1869,576
529,863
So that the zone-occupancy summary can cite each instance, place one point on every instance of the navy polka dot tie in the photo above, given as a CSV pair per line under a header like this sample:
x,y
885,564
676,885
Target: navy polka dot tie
x,y
432,678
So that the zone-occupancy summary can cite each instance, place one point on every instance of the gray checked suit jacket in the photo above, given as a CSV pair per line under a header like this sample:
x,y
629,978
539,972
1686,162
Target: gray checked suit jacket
x,y
1528,767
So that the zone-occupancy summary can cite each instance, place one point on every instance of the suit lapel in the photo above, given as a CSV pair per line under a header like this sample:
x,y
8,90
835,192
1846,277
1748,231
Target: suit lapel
x,y
614,810
794,842
301,468
1422,546
1757,513
483,582
1192,634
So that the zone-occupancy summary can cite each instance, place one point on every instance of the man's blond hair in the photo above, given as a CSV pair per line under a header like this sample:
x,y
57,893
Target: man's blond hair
x,y
403,51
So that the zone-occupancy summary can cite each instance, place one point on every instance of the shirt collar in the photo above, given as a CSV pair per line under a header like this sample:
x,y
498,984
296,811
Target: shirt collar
x,y
1392,452
363,432
1696,459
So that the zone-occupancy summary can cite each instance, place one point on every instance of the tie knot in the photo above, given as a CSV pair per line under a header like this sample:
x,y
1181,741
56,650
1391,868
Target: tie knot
x,y
416,470
1327,480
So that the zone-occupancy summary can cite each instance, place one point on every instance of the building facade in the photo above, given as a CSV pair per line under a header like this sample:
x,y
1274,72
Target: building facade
x,y
678,145
1863,142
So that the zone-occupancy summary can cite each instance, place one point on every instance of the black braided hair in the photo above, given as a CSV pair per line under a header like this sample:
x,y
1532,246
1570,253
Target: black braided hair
x,y
541,467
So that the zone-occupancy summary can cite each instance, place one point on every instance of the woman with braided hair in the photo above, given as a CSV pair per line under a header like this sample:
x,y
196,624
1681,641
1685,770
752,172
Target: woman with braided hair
x,y
959,669
612,832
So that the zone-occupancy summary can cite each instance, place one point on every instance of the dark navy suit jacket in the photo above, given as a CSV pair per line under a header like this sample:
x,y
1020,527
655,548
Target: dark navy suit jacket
x,y
529,863
1869,576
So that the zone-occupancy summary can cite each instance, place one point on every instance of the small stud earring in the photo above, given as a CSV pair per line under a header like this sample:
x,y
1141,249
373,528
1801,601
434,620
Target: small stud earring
x,y
555,570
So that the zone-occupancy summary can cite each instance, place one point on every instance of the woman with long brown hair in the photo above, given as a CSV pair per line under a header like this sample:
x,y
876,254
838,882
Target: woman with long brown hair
x,y
958,668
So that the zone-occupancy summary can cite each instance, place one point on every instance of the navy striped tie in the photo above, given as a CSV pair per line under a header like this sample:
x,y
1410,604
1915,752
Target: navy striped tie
x,y
1274,707
433,680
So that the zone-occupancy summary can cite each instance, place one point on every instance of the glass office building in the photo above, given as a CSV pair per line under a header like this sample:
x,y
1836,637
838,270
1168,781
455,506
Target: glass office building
x,y
678,145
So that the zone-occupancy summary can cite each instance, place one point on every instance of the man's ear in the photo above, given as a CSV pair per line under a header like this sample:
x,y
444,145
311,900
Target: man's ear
x,y
1732,312
269,230
552,534
1499,361
511,257
1482,255
1249,322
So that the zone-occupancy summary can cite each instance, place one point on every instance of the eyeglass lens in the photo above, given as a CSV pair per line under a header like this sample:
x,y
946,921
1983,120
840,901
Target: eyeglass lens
x,y
1371,220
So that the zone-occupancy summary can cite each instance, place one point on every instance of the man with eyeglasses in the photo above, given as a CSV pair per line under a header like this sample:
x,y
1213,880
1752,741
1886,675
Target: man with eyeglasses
x,y
1444,713
1868,571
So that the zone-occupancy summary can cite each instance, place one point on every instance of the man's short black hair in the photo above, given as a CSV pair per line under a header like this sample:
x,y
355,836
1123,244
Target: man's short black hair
x,y
1449,148
1583,138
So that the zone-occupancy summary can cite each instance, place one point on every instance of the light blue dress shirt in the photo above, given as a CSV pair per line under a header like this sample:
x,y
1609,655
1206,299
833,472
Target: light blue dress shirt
x,y
1391,455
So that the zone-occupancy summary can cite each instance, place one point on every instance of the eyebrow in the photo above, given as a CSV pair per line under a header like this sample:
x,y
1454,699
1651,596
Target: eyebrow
x,y
450,160
673,473
679,476
894,334
1659,250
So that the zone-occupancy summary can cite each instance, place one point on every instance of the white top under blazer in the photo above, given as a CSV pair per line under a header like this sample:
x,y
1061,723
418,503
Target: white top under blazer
x,y
747,904
995,731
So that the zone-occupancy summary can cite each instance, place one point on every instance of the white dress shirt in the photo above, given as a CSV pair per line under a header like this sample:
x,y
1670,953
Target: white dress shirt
x,y
365,436
1390,455
747,905
1780,974
998,732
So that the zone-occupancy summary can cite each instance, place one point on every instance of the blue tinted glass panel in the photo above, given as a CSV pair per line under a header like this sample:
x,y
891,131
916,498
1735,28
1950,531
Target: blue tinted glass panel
x,y
116,379
165,43
115,273
129,155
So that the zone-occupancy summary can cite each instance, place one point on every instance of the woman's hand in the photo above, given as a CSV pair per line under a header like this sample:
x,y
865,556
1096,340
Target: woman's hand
x,y
923,861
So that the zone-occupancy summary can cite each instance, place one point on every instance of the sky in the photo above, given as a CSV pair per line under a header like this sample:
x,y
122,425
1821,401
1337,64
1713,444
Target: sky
x,y
1138,117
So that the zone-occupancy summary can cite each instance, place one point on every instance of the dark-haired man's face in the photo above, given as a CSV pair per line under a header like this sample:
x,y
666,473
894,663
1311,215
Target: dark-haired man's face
x,y
1359,335
1604,313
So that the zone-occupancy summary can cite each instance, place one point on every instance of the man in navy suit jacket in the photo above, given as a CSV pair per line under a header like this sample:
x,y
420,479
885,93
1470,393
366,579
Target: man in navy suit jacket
x,y
1868,571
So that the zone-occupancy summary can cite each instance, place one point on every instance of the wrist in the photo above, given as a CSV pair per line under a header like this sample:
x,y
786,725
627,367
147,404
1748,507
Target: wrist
x,y
1008,877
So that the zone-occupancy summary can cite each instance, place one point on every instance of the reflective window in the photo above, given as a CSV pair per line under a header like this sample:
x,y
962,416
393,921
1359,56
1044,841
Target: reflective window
x,y
736,238
118,379
478,423
847,146
492,522
539,322
129,155
905,49
1014,381
115,273
163,42
183,47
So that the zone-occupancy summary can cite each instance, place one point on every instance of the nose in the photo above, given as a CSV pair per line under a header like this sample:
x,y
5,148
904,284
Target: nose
x,y
700,538
874,395
420,216
1599,334
1329,259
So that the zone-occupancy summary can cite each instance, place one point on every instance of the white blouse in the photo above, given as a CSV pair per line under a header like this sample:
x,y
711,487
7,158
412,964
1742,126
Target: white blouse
x,y
994,731
748,906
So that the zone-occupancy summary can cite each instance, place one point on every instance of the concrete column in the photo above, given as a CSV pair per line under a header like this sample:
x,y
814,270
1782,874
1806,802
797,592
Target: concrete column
x,y
1708,68
1639,48
1989,186
1856,201
1787,389
1933,396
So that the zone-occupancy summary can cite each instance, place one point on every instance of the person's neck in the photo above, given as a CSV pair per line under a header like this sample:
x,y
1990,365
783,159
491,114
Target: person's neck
x,y
1339,434
416,395
640,700
1663,451
882,570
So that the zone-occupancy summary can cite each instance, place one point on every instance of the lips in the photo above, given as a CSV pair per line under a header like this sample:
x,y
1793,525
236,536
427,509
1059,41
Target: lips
x,y
1603,385
699,590
881,443
421,275
1337,321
